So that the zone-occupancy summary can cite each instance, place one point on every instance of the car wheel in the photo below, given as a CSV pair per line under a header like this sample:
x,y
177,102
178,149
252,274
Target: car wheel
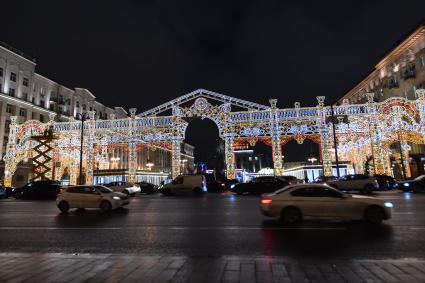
x,y
374,215
197,191
63,206
105,206
239,191
367,190
291,215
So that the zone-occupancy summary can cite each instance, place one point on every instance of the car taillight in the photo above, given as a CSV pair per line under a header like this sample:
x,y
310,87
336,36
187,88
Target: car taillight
x,y
266,201
289,183
222,184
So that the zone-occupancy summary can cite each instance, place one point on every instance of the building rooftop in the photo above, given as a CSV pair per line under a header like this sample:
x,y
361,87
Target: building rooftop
x,y
17,51
389,57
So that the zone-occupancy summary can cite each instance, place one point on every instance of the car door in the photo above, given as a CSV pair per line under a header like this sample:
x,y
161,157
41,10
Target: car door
x,y
74,196
91,198
333,204
177,184
307,199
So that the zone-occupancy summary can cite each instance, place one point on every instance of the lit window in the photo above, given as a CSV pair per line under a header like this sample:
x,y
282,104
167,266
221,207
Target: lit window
x,y
13,76
25,82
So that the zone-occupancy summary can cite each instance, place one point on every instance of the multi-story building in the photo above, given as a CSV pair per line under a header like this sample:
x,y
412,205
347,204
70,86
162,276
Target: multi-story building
x,y
31,96
398,74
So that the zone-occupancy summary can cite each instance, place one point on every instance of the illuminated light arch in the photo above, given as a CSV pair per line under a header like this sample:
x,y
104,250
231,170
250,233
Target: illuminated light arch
x,y
360,130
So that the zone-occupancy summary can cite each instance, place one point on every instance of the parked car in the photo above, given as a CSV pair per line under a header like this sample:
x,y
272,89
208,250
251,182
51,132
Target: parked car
x,y
2,193
292,180
185,184
259,185
90,197
386,182
230,183
293,204
324,179
45,189
416,185
10,191
124,187
357,182
147,188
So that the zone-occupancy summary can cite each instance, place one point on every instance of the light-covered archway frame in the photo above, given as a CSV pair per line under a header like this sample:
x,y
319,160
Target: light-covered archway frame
x,y
363,129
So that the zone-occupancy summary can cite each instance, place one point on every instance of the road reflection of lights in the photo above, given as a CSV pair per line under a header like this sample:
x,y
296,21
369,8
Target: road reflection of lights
x,y
232,198
407,196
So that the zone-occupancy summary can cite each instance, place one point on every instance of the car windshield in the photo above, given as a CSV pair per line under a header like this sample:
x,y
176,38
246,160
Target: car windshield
x,y
104,189
420,177
284,189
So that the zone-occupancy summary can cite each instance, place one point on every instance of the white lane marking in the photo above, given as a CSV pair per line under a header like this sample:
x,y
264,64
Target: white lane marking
x,y
172,228
403,213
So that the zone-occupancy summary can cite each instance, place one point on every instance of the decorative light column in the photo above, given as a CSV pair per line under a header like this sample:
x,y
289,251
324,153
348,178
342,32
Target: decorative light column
x,y
229,155
176,156
377,156
10,161
405,149
176,142
325,145
275,134
132,156
91,124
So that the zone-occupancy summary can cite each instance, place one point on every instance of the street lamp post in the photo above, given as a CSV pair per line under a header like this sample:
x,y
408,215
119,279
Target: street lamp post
x,y
83,117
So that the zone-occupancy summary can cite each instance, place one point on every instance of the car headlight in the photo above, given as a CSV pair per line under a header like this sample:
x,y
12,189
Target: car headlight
x,y
116,198
232,186
388,204
406,184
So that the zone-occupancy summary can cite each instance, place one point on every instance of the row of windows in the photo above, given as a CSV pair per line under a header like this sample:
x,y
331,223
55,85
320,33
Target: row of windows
x,y
25,81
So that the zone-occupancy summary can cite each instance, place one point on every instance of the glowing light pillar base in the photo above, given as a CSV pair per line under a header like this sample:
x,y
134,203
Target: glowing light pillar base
x,y
176,156
230,157
276,145
132,162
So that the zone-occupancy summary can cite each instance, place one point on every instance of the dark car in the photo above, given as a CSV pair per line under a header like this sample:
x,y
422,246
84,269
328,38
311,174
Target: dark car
x,y
324,179
386,182
416,185
45,189
213,185
292,180
147,188
260,185
230,183
2,193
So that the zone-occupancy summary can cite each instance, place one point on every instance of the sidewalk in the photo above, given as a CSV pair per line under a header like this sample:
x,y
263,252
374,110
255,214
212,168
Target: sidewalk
x,y
26,267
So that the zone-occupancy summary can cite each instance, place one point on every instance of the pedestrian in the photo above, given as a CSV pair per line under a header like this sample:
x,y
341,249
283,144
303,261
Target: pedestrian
x,y
306,179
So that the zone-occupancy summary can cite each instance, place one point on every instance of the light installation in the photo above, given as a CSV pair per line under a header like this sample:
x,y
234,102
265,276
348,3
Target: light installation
x,y
363,130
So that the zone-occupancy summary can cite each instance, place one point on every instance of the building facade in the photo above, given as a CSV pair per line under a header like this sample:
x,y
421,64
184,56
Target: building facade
x,y
31,96
399,74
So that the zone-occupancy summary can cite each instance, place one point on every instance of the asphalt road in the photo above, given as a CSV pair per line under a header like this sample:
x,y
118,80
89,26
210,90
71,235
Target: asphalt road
x,y
213,225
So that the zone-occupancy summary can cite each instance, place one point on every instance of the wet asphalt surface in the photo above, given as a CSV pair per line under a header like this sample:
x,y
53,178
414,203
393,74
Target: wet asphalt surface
x,y
212,225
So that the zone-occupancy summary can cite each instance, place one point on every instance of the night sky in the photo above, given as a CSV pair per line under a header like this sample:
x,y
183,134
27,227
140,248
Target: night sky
x,y
143,53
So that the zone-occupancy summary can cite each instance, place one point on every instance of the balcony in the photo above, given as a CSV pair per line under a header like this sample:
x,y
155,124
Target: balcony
x,y
59,101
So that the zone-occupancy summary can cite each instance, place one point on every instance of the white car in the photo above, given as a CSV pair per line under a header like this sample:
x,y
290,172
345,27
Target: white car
x,y
90,197
124,187
356,182
314,201
185,184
